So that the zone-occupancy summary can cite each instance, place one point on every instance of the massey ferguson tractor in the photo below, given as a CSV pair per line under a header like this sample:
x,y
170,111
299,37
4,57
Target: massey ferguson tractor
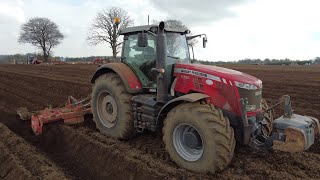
x,y
202,110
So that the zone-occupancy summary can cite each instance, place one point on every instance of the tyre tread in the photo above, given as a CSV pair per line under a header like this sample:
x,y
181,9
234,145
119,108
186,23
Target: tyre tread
x,y
219,126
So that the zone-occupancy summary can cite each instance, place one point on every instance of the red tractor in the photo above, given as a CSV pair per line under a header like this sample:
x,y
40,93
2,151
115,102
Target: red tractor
x,y
33,60
202,110
98,61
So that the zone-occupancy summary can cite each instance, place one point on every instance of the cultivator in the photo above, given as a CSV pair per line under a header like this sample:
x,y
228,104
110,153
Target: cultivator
x,y
72,113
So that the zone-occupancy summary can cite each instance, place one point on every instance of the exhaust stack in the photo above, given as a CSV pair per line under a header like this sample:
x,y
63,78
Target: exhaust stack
x,y
161,48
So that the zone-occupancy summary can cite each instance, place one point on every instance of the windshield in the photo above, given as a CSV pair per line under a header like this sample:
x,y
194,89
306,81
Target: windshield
x,y
177,48
138,55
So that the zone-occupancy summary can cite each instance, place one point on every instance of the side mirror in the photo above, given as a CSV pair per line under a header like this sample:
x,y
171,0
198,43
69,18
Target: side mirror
x,y
204,42
142,40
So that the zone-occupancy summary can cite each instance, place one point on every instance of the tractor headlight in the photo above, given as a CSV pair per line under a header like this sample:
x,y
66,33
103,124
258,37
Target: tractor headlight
x,y
245,86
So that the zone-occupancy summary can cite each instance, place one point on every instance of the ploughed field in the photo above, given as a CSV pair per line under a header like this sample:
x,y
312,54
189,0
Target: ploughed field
x,y
81,152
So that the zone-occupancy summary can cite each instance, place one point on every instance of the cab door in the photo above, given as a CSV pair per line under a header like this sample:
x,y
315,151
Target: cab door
x,y
141,59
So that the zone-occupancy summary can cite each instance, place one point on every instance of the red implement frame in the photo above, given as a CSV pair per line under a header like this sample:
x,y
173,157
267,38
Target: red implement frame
x,y
72,113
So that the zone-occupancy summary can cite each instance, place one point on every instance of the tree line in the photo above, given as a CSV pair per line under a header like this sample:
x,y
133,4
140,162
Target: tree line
x,y
22,58
266,61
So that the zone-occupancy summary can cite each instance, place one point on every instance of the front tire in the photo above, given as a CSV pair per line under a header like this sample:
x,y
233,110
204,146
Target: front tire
x,y
111,107
198,138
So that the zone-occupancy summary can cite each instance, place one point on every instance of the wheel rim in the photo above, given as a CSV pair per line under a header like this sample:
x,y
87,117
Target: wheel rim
x,y
188,142
107,109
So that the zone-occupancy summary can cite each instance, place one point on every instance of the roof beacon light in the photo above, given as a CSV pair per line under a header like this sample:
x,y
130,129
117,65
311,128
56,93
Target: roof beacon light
x,y
116,20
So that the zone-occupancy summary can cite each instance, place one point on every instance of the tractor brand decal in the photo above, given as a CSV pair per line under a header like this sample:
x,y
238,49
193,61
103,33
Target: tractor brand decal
x,y
196,73
187,71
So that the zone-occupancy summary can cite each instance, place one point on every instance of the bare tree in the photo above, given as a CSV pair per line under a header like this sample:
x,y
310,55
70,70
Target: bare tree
x,y
41,32
171,23
172,44
174,23
103,29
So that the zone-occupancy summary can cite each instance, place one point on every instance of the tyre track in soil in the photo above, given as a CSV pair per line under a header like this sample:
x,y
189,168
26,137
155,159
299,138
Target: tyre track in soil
x,y
53,77
48,92
19,160
149,151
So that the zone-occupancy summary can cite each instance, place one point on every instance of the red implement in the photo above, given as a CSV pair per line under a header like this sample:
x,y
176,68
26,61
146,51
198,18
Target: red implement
x,y
72,113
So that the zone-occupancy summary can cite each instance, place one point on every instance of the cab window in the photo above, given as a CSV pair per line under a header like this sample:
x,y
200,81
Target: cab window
x,y
141,59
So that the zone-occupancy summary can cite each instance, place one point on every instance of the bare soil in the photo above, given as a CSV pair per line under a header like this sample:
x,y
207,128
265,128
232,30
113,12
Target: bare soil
x,y
81,152
20,160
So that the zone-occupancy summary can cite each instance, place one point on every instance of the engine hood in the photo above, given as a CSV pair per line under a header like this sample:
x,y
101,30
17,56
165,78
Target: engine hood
x,y
218,73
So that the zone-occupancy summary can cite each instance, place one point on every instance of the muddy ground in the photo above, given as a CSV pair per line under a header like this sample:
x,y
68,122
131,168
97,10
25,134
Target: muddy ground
x,y
81,152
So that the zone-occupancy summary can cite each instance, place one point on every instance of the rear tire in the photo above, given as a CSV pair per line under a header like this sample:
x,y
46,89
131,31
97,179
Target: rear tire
x,y
215,137
268,117
111,107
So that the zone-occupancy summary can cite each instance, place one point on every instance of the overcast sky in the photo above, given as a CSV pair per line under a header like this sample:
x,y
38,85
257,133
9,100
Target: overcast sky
x,y
236,29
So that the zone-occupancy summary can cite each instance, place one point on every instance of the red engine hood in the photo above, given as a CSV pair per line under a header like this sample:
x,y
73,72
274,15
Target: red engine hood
x,y
227,74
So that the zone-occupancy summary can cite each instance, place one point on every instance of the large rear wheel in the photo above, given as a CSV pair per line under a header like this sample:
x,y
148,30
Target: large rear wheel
x,y
198,137
111,107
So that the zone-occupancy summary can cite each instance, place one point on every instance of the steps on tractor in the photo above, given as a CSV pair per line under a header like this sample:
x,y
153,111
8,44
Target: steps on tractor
x,y
146,110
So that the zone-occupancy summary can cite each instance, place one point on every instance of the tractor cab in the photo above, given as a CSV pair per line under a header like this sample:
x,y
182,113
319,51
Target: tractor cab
x,y
142,57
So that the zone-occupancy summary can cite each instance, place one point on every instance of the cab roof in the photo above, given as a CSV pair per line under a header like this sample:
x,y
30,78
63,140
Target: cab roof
x,y
148,27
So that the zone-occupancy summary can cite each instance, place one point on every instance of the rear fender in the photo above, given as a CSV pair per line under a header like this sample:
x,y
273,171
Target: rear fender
x,y
174,102
128,77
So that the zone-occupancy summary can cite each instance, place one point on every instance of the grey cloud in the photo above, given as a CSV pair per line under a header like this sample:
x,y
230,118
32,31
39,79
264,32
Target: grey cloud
x,y
4,19
195,12
9,32
9,28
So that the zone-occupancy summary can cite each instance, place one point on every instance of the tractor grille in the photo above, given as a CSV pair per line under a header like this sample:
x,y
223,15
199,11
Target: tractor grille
x,y
254,98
